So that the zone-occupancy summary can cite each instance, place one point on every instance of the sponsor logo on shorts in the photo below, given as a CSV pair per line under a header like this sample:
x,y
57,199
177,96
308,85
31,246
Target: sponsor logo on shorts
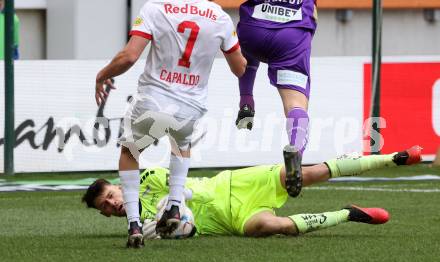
x,y
275,13
287,77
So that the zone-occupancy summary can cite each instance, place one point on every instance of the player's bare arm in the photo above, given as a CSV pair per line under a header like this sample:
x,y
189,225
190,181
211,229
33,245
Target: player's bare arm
x,y
123,61
236,61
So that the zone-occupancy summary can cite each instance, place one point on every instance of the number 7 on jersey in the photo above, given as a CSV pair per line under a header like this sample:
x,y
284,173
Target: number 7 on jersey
x,y
184,60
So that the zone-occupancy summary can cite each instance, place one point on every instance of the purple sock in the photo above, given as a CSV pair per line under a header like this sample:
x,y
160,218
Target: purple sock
x,y
246,84
247,100
297,127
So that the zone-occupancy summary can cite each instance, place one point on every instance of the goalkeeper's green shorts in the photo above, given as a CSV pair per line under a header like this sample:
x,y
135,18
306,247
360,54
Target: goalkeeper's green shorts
x,y
254,190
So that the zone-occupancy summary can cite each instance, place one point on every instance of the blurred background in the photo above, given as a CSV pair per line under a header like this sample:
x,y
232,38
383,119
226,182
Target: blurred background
x,y
78,29
63,43
56,141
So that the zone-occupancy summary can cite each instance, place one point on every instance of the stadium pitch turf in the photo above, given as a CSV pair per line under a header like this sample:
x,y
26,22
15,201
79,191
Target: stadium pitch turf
x,y
55,226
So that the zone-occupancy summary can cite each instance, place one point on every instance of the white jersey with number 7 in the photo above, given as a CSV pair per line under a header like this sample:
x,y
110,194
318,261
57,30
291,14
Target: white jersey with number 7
x,y
185,37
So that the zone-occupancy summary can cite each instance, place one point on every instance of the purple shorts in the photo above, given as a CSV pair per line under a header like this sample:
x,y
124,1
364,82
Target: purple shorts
x,y
285,50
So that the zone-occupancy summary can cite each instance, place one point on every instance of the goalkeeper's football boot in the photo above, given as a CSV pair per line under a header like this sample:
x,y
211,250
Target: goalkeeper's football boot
x,y
292,162
408,157
372,215
245,117
169,221
135,236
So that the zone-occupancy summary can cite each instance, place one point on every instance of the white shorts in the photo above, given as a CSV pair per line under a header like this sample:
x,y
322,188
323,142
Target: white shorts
x,y
145,123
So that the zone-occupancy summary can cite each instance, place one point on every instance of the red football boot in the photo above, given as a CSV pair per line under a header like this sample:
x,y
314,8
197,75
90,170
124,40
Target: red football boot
x,y
408,157
371,215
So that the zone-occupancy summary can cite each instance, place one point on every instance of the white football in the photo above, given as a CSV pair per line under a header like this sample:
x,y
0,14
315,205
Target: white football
x,y
186,227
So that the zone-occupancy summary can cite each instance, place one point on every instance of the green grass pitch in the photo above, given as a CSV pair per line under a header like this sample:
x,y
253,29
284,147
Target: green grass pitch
x,y
55,226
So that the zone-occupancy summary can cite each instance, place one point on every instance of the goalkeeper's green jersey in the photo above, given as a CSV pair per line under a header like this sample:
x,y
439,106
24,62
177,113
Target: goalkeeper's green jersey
x,y
224,203
210,201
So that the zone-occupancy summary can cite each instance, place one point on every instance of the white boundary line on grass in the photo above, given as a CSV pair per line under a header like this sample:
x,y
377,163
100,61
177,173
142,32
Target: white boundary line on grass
x,y
74,187
377,189
31,188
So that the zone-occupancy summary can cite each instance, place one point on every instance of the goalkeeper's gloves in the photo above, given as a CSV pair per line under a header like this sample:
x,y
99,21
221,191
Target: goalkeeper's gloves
x,y
187,195
149,229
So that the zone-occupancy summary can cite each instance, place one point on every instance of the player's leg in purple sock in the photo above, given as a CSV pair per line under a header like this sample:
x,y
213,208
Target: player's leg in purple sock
x,y
246,82
247,106
289,71
297,127
253,43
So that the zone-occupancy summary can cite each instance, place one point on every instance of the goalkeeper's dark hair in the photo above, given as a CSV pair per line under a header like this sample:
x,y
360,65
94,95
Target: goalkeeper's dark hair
x,y
94,191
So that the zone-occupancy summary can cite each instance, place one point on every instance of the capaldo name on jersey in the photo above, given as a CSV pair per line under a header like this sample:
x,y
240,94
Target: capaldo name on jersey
x,y
275,13
179,78
190,9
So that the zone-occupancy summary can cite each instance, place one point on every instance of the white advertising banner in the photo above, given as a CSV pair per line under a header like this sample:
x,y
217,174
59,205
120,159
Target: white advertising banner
x,y
55,113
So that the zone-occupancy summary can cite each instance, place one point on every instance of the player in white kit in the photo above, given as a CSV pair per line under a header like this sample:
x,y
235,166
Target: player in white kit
x,y
185,36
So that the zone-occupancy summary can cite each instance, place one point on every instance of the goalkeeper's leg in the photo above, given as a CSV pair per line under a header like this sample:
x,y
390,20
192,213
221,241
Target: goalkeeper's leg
x,y
355,165
267,224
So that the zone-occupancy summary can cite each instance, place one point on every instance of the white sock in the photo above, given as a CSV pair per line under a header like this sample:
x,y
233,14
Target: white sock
x,y
130,190
178,172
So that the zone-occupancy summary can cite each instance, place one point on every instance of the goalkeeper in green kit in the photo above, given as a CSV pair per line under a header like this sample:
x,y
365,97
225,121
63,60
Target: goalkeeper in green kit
x,y
242,201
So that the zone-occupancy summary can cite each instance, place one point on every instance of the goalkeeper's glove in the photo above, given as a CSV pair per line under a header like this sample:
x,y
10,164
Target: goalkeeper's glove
x,y
149,229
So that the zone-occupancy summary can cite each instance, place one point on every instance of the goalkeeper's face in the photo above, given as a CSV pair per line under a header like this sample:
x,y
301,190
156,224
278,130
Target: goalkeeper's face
x,y
110,202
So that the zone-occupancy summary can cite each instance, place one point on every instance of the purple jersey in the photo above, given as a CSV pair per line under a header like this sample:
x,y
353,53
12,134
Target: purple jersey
x,y
279,13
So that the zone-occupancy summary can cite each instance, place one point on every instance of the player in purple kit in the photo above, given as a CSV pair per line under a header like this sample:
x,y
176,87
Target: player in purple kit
x,y
279,33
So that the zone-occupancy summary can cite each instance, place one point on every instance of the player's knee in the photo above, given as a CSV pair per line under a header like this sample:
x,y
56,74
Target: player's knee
x,y
264,228
293,99
306,174
125,153
275,226
125,150
267,226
